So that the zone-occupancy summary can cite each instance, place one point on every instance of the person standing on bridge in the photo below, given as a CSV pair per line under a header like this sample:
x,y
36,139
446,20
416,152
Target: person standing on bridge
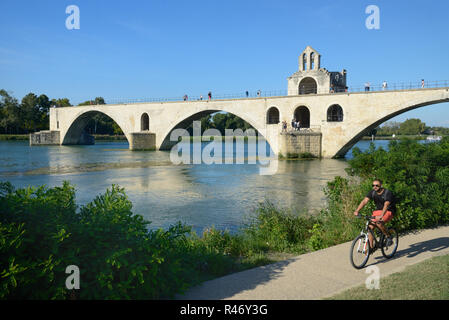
x,y
284,126
367,86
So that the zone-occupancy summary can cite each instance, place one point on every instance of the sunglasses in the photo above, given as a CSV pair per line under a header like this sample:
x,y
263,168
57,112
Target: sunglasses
x,y
376,185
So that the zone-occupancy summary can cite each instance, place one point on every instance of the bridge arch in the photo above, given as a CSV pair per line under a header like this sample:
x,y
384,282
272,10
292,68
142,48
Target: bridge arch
x,y
404,107
187,119
75,133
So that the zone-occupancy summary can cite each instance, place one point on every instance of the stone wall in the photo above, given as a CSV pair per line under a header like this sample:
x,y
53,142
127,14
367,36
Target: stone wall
x,y
300,142
142,141
47,137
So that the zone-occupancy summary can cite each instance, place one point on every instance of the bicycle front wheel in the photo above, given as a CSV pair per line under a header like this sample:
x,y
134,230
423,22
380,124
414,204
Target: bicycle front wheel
x,y
360,251
389,249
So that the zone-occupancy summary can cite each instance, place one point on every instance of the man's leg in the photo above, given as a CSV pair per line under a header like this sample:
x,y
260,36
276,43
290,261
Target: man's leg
x,y
381,226
370,237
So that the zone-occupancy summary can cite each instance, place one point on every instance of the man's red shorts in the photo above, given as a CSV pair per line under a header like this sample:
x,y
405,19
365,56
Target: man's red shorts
x,y
387,216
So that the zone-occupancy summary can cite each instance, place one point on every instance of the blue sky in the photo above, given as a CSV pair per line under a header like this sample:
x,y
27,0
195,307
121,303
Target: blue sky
x,y
151,49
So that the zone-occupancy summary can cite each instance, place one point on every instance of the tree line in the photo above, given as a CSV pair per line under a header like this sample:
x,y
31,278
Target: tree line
x,y
221,121
31,114
409,127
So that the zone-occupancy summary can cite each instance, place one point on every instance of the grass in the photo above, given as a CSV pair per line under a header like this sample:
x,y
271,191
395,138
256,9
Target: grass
x,y
427,280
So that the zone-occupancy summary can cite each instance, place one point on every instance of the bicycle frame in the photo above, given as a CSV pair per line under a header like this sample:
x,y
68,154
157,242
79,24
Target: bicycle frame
x,y
365,232
361,244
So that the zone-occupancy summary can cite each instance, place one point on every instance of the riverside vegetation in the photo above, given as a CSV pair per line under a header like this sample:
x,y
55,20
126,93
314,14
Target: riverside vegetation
x,y
42,231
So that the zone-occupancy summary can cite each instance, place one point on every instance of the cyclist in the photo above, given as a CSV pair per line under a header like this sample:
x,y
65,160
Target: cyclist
x,y
385,209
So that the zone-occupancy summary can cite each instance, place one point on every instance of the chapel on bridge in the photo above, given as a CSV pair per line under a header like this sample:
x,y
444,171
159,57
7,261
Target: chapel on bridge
x,y
312,79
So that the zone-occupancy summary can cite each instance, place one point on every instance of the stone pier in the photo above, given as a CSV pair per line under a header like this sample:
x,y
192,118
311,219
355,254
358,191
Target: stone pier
x,y
297,143
47,137
142,141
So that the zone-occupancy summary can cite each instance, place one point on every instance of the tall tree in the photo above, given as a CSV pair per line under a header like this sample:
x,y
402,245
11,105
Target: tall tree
x,y
412,126
29,110
59,103
9,113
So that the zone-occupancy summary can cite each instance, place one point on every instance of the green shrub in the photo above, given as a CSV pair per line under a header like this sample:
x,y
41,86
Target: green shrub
x,y
119,258
416,173
278,229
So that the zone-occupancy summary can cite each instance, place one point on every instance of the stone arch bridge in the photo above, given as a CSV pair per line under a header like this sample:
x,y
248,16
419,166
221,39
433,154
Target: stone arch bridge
x,y
333,122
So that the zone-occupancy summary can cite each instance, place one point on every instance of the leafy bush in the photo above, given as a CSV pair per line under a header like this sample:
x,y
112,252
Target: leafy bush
x,y
41,233
416,173
279,229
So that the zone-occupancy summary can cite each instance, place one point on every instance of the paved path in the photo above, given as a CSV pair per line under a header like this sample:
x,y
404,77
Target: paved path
x,y
321,273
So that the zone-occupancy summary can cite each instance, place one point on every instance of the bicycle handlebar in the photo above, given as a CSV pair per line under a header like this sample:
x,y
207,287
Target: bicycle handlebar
x,y
366,217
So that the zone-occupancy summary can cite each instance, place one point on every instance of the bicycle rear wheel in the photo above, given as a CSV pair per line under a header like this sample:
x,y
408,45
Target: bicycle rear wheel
x,y
388,250
360,251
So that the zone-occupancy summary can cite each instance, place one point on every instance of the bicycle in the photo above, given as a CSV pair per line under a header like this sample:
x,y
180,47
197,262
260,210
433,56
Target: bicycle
x,y
360,247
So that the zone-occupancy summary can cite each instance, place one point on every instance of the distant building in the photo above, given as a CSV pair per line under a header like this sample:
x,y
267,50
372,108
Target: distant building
x,y
311,78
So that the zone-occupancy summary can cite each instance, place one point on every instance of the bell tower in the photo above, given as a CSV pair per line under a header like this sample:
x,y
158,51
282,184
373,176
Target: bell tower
x,y
312,79
309,59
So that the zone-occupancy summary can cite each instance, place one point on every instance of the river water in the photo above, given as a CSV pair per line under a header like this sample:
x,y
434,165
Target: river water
x,y
220,195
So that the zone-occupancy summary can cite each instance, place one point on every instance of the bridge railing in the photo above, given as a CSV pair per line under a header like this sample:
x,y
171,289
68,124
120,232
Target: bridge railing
x,y
278,93
309,129
400,86
223,96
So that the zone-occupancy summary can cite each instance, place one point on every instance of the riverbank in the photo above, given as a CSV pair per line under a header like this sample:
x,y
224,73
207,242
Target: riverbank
x,y
26,137
14,137
398,137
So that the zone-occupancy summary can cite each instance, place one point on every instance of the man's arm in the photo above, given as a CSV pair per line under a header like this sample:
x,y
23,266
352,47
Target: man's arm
x,y
384,209
361,205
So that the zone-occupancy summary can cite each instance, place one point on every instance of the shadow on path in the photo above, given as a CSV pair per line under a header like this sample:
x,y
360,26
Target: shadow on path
x,y
415,249
235,283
